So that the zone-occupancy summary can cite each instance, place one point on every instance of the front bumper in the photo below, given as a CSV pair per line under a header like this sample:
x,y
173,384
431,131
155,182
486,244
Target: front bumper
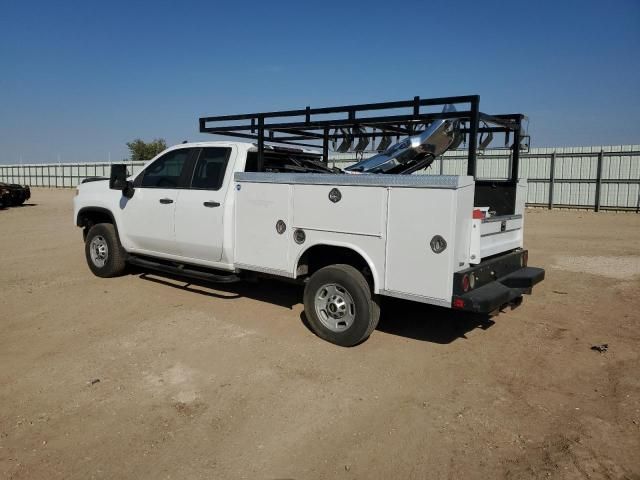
x,y
502,282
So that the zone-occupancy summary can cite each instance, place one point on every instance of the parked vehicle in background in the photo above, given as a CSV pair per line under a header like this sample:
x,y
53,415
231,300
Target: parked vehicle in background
x,y
224,211
14,194
5,197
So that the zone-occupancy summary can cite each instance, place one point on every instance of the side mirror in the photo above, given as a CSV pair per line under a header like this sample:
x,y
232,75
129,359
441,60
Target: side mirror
x,y
118,180
118,177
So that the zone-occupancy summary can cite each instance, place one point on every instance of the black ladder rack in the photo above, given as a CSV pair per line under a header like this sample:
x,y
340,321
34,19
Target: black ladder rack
x,y
300,127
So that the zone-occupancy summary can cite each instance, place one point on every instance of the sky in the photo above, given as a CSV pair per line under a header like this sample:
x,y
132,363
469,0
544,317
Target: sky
x,y
79,79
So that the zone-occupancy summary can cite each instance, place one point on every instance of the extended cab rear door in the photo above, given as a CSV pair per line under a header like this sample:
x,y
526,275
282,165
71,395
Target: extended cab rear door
x,y
200,208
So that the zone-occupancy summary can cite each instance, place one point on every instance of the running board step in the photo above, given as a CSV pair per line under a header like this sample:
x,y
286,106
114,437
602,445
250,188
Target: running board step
x,y
182,270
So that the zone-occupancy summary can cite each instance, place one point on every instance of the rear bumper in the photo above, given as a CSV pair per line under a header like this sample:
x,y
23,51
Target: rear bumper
x,y
510,281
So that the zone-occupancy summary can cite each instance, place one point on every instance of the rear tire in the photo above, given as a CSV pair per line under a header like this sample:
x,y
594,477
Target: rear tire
x,y
104,253
340,305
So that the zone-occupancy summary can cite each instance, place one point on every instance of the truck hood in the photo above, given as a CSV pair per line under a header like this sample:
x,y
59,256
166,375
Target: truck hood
x,y
93,184
94,179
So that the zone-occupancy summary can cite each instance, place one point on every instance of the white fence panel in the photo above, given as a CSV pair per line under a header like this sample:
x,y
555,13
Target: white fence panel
x,y
606,177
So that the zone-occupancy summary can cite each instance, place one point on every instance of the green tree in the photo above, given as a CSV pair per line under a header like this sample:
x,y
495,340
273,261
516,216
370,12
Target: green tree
x,y
141,150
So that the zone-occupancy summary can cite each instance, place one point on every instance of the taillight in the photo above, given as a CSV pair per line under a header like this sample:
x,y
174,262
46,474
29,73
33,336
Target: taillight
x,y
458,303
465,283
525,258
478,214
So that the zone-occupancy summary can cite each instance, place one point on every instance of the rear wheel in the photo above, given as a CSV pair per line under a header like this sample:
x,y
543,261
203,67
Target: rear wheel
x,y
340,306
105,256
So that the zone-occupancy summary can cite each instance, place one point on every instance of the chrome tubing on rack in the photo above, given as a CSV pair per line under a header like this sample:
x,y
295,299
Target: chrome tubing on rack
x,y
424,147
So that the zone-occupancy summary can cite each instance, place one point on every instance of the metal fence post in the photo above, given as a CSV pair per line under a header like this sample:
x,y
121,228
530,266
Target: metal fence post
x,y
552,177
598,181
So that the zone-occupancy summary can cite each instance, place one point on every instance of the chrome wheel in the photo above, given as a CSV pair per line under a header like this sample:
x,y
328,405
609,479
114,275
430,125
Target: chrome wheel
x,y
335,307
99,250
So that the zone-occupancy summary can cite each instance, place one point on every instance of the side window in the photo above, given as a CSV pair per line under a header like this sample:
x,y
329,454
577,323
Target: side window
x,y
210,168
166,171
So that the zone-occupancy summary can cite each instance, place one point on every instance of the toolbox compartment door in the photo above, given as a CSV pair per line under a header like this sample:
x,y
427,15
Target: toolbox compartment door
x,y
340,209
416,216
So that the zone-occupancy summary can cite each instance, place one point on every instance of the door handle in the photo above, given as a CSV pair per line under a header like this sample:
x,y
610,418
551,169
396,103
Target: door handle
x,y
166,200
211,204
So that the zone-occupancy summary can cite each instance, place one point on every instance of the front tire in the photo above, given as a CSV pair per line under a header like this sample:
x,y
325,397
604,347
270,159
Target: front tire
x,y
340,306
105,256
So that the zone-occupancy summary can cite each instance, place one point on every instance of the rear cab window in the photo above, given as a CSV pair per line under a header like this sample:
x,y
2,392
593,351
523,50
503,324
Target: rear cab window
x,y
210,169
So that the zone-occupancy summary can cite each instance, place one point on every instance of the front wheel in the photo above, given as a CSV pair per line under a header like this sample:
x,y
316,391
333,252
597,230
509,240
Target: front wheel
x,y
105,255
340,306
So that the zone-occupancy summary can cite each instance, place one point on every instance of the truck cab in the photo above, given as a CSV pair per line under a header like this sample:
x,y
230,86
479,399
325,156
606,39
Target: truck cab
x,y
182,207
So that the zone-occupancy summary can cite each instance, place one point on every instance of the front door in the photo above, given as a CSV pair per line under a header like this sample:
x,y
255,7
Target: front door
x,y
148,216
200,209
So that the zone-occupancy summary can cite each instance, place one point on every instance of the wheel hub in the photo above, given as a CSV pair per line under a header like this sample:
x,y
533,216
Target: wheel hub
x,y
335,307
99,250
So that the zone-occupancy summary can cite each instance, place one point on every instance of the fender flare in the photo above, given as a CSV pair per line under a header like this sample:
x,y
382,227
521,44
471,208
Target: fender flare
x,y
101,210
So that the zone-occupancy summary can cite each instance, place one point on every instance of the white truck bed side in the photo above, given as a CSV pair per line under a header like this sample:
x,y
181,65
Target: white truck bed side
x,y
398,251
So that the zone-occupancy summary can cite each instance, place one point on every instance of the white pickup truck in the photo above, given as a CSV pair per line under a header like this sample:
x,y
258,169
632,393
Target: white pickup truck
x,y
202,210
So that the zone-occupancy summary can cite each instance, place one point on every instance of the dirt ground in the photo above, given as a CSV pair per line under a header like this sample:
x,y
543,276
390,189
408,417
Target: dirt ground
x,y
146,376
